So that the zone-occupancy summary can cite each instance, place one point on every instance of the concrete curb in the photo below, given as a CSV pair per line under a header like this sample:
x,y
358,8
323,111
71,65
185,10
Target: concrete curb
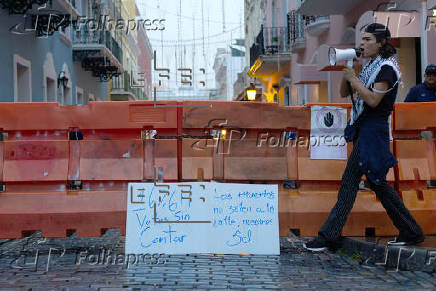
x,y
405,258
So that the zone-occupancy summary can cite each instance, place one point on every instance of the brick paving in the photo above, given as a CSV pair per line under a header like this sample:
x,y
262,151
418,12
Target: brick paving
x,y
99,264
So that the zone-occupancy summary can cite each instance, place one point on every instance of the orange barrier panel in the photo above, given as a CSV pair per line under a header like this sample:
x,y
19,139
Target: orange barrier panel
x,y
249,159
111,160
34,160
243,115
165,155
57,214
414,130
413,161
96,115
412,118
198,159
422,207
306,211
254,147
65,168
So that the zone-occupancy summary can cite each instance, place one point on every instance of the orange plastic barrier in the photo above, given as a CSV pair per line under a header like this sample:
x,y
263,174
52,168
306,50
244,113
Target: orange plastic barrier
x,y
254,148
414,131
66,168
305,211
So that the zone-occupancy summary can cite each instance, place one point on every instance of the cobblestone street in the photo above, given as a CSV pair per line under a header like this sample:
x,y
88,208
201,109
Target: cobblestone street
x,y
34,263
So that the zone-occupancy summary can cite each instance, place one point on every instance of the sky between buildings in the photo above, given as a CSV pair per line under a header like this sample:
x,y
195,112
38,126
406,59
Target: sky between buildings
x,y
194,29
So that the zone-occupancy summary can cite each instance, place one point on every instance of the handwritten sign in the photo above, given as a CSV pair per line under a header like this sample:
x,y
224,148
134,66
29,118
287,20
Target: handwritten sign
x,y
182,218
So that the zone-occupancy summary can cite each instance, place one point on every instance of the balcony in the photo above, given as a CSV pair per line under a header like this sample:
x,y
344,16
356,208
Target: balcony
x,y
270,41
316,25
98,52
44,17
269,52
330,7
297,39
66,6
122,89
38,6
20,7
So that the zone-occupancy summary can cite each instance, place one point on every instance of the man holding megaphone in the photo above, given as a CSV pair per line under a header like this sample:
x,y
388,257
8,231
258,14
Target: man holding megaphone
x,y
375,89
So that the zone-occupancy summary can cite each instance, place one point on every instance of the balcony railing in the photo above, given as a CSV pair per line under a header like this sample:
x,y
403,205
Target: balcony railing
x,y
315,25
270,41
84,36
296,25
122,85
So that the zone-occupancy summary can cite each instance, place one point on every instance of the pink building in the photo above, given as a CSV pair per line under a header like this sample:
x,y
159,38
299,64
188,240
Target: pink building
x,y
268,43
294,69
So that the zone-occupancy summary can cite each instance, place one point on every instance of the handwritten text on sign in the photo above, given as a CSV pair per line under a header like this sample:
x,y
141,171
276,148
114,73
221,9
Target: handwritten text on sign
x,y
181,218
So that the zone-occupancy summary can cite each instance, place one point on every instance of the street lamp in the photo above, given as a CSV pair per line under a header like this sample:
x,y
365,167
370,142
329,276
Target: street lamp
x,y
251,93
62,79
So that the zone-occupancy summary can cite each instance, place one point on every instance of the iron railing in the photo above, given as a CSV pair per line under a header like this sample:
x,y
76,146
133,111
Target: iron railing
x,y
84,35
270,41
123,83
296,27
311,19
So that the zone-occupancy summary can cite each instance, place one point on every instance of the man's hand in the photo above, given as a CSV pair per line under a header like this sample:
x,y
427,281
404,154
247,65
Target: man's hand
x,y
349,74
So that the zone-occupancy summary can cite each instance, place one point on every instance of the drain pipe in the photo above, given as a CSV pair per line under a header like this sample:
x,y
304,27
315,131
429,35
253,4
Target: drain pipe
x,y
424,47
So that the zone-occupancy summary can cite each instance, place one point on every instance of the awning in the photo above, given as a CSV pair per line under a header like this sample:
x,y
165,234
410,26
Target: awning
x,y
324,7
400,24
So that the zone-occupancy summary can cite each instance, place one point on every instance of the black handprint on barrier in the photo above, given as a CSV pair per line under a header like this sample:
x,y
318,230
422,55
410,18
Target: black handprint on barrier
x,y
329,119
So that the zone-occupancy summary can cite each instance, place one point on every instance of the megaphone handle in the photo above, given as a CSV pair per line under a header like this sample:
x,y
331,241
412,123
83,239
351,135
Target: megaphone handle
x,y
350,63
350,89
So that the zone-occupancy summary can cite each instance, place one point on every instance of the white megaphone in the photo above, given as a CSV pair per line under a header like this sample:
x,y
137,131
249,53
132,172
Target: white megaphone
x,y
338,55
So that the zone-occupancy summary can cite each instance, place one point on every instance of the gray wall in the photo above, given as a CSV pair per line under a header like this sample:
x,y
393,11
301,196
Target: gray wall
x,y
35,50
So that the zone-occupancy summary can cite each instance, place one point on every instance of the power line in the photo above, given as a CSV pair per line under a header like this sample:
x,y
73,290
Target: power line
x,y
194,39
183,16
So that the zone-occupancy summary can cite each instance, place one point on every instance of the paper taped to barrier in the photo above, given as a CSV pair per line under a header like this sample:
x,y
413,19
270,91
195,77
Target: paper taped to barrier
x,y
183,218
327,140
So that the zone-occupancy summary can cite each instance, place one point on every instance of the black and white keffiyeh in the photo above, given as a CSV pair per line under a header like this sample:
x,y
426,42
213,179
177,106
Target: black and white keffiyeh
x,y
367,77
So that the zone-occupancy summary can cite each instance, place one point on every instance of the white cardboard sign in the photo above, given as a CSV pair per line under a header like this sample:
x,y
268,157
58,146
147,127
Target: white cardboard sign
x,y
327,140
184,218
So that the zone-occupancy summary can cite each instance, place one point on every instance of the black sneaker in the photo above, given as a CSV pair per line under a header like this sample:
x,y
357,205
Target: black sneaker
x,y
404,241
316,245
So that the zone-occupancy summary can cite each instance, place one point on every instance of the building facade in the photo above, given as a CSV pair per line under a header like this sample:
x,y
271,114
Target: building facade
x,y
73,51
228,63
268,44
289,58
123,87
39,50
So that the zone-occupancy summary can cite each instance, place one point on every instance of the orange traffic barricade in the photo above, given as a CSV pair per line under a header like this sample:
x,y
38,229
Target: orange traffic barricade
x,y
414,129
66,168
